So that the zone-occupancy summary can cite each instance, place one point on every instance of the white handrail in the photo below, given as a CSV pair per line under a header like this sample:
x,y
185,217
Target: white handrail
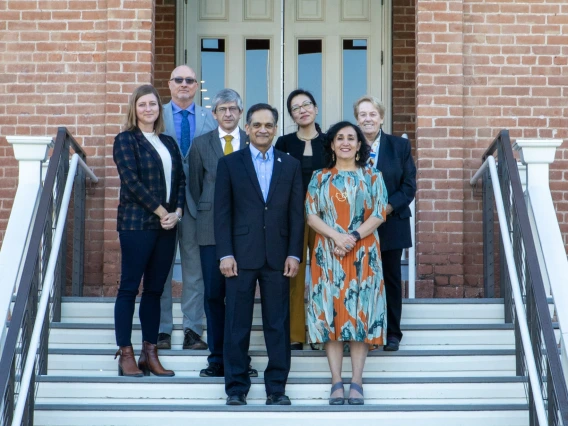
x,y
412,249
519,304
46,288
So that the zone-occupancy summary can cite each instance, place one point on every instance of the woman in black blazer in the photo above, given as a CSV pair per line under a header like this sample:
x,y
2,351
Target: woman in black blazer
x,y
306,145
152,194
391,155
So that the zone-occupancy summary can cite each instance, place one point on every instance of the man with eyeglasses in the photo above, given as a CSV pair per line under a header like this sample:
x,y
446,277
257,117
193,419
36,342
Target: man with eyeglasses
x,y
185,121
206,151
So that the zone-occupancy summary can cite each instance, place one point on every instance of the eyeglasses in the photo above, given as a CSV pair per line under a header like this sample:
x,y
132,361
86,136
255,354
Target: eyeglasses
x,y
306,105
188,80
223,110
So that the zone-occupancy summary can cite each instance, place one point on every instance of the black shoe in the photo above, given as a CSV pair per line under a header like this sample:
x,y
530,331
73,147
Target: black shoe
x,y
296,346
214,370
392,344
164,341
252,372
278,399
192,340
240,399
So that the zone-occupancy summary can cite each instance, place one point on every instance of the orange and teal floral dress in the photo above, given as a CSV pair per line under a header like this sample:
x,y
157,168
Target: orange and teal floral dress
x,y
347,296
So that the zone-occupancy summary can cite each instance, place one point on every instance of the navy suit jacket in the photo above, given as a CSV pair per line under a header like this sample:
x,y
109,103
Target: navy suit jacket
x,y
142,180
253,231
399,173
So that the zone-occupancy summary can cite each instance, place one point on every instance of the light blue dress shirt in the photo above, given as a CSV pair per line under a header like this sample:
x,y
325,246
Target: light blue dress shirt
x,y
176,110
263,168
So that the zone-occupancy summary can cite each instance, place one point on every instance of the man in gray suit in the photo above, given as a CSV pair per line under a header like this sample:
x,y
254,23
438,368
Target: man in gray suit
x,y
185,121
205,153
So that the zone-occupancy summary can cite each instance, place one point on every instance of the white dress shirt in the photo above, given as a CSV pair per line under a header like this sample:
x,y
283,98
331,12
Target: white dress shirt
x,y
166,159
236,142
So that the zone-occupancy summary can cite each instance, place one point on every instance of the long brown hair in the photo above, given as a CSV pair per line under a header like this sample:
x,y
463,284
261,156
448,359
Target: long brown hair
x,y
131,120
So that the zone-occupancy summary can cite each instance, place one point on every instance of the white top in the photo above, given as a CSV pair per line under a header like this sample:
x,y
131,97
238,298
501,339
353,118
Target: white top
x,y
236,142
166,160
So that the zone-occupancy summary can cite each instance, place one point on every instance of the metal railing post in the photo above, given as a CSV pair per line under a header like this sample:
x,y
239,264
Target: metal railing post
x,y
78,233
488,233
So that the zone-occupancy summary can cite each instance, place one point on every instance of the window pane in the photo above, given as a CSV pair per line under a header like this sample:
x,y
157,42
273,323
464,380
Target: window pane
x,y
310,70
212,69
257,68
354,74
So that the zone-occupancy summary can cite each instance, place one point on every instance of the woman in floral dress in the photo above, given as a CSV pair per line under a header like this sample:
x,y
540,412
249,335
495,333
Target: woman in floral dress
x,y
345,205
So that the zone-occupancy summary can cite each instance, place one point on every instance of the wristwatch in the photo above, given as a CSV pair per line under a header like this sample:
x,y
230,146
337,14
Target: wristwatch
x,y
356,235
179,216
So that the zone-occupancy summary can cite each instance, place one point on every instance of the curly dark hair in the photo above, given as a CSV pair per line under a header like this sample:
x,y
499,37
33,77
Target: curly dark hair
x,y
364,151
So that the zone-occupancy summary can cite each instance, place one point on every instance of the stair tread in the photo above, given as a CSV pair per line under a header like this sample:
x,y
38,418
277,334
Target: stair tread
x,y
303,353
289,408
291,381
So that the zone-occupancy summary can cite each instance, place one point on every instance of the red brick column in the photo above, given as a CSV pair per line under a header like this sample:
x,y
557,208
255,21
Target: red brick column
x,y
165,47
130,63
439,147
404,68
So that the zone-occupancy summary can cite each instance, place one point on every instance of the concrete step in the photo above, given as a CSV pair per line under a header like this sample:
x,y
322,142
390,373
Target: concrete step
x,y
251,415
308,391
416,337
414,311
305,364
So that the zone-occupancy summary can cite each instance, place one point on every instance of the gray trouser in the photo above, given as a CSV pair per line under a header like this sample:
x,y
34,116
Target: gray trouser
x,y
192,290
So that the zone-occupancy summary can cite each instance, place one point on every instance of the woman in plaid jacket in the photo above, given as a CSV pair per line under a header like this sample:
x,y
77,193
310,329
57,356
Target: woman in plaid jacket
x,y
152,195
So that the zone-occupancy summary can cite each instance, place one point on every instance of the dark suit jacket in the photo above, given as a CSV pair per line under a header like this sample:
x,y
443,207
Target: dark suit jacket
x,y
399,173
294,146
142,180
206,150
246,227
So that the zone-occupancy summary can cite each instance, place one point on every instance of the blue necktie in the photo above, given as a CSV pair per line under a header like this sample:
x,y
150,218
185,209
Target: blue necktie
x,y
184,143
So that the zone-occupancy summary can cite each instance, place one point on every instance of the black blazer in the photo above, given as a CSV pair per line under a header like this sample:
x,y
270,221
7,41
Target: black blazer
x,y
399,173
246,227
291,144
142,181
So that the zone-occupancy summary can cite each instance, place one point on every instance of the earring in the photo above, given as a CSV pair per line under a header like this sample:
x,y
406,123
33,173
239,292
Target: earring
x,y
357,156
333,156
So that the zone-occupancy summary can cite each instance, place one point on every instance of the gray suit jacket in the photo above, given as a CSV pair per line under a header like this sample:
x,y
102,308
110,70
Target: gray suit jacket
x,y
204,122
206,151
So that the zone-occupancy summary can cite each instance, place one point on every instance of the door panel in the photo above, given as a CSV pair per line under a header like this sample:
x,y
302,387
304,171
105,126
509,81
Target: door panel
x,y
331,47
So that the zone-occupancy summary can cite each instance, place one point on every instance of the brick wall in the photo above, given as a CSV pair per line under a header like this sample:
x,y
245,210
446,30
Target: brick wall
x,y
73,64
165,47
482,66
403,68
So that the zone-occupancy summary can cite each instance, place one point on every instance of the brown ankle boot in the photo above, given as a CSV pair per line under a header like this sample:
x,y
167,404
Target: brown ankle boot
x,y
127,362
150,363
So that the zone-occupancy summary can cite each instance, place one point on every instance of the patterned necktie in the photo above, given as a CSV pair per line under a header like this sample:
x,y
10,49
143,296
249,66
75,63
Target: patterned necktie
x,y
185,134
228,145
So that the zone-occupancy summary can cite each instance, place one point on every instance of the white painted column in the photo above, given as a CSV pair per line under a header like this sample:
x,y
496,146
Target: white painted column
x,y
30,152
537,154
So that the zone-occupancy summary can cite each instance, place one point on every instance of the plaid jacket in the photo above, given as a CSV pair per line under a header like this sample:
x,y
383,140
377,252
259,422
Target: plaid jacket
x,y
142,181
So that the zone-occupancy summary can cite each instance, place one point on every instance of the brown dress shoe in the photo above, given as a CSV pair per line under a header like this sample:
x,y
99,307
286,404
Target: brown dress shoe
x,y
150,363
127,363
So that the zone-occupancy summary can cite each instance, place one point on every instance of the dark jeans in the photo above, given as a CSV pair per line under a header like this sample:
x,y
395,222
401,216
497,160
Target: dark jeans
x,y
392,277
148,254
